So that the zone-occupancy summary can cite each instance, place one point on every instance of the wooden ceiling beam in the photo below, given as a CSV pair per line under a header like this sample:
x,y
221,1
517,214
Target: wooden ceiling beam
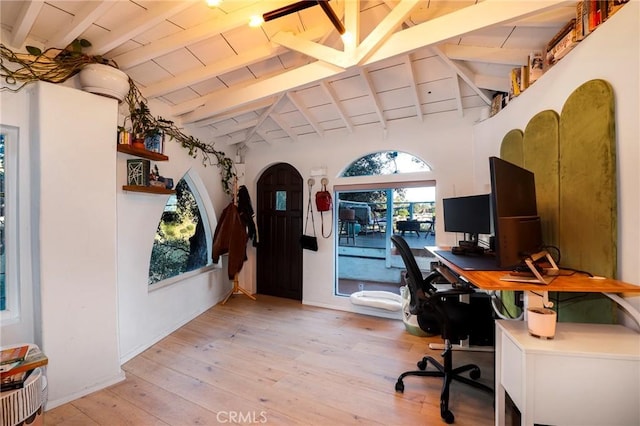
x,y
196,34
284,126
485,14
255,55
463,21
384,30
265,114
328,90
160,11
264,135
463,72
490,55
88,13
414,88
311,49
305,113
227,130
374,97
262,103
24,22
225,100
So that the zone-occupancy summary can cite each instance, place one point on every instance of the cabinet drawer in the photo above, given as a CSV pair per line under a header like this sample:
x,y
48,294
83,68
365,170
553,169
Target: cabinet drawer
x,y
512,364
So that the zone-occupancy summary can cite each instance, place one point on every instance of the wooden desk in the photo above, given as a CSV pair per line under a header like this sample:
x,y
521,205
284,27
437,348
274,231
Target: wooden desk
x,y
587,375
575,282
490,280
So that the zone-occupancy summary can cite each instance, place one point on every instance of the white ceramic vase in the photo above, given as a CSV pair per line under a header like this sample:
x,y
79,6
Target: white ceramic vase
x,y
104,80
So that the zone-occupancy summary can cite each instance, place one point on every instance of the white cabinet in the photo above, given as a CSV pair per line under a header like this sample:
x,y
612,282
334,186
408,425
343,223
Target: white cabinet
x,y
588,374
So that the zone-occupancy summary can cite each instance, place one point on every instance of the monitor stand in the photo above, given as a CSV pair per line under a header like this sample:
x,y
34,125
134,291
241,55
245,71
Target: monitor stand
x,y
535,276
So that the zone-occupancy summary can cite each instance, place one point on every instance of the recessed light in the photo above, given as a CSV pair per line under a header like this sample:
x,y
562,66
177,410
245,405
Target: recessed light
x,y
255,21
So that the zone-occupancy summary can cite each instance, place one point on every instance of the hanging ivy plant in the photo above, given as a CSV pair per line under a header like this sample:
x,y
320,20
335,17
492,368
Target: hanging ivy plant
x,y
56,65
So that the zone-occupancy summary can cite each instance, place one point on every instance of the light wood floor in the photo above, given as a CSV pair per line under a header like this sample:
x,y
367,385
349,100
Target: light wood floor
x,y
275,361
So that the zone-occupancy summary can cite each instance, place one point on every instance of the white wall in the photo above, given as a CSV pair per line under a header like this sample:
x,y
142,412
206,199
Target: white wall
x,y
145,317
611,53
75,265
92,240
444,141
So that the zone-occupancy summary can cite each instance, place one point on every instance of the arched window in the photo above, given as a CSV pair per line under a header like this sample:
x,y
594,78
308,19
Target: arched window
x,y
183,238
386,163
369,213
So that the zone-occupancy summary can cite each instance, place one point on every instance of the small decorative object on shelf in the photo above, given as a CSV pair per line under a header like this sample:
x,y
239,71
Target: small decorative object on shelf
x,y
138,172
155,142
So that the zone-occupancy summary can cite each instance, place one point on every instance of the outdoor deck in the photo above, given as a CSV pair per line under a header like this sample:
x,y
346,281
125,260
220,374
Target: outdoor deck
x,y
361,261
377,239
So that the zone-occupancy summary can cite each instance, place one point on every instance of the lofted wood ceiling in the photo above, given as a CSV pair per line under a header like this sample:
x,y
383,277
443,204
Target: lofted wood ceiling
x,y
294,76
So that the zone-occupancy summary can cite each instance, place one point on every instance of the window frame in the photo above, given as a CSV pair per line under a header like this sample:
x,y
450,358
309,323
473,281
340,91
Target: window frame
x,y
12,311
208,216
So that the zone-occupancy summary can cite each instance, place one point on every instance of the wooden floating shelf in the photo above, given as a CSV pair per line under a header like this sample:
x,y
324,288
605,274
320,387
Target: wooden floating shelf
x,y
149,155
148,189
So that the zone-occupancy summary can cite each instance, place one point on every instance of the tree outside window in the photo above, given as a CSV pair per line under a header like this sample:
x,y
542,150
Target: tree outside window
x,y
180,243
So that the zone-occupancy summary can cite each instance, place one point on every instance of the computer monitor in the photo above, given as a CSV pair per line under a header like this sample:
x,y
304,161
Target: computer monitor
x,y
517,227
470,215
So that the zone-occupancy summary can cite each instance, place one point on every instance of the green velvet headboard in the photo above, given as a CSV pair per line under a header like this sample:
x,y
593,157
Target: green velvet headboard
x,y
573,158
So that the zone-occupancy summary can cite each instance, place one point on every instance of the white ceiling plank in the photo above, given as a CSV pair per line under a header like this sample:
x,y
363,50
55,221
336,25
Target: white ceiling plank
x,y
337,104
305,113
374,96
195,34
82,20
233,129
264,136
284,126
491,82
225,100
384,30
223,66
234,139
492,55
309,48
414,88
466,75
262,103
460,22
264,116
152,17
26,18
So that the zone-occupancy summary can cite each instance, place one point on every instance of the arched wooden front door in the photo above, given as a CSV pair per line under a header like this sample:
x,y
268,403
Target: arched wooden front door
x,y
279,216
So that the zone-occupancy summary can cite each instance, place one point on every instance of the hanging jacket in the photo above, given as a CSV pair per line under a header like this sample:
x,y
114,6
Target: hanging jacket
x,y
247,214
230,237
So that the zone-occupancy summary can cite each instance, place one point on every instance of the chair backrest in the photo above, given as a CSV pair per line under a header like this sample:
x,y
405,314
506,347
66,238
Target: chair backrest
x,y
346,214
414,276
420,289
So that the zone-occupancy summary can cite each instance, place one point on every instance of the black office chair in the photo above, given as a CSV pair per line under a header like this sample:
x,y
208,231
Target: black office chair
x,y
441,312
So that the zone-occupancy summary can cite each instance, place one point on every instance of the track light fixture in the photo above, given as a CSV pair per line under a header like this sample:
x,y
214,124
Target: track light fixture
x,y
301,5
